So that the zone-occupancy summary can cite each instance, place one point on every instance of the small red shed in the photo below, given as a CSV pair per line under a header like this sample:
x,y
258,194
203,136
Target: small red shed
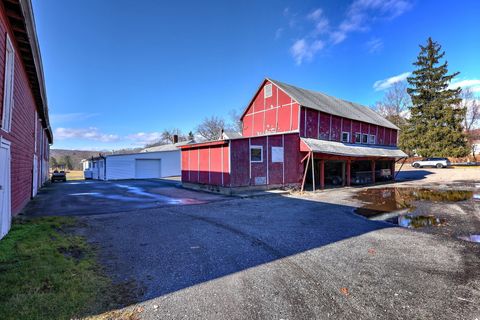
x,y
293,136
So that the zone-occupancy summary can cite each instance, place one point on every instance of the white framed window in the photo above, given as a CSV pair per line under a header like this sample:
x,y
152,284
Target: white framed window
x,y
268,91
358,138
256,153
8,86
364,138
371,139
345,136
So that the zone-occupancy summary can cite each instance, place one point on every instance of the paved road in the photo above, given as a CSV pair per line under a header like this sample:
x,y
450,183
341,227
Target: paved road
x,y
100,197
283,257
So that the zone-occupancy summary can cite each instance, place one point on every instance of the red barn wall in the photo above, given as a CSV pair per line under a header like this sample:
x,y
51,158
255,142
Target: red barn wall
x,y
278,113
319,125
22,134
206,165
202,164
266,172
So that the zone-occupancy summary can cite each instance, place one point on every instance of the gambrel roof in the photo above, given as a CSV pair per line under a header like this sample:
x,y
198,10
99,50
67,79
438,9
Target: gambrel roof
x,y
328,104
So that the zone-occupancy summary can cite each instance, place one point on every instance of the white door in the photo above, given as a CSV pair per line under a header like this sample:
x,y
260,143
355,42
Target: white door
x,y
5,195
147,168
35,176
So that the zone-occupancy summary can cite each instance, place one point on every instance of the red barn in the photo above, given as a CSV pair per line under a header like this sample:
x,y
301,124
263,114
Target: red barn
x,y
25,133
292,136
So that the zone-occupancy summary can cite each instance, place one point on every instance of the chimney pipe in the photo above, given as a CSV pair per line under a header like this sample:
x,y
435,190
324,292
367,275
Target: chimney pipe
x,y
175,138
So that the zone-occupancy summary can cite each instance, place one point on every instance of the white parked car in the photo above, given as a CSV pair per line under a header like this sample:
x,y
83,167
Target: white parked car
x,y
432,162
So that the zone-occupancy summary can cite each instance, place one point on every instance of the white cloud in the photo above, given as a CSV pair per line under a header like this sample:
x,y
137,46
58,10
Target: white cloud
x,y
387,83
321,23
70,117
138,139
374,45
472,84
359,16
91,133
303,50
143,138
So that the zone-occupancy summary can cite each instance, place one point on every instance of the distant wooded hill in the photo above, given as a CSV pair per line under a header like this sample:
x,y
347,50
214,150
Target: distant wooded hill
x,y
71,159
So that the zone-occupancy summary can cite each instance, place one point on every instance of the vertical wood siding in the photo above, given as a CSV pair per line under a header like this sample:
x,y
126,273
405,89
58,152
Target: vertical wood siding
x,y
274,114
22,134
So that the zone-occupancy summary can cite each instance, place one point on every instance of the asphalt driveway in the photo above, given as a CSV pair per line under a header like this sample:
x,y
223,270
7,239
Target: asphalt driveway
x,y
275,257
98,197
282,257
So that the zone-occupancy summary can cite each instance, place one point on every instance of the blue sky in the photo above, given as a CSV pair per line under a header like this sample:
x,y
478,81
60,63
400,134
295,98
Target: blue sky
x,y
119,72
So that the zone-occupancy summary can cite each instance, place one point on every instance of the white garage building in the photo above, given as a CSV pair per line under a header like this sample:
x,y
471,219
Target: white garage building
x,y
152,163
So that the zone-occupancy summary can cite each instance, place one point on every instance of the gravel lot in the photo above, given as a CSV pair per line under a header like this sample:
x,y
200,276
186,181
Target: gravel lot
x,y
290,257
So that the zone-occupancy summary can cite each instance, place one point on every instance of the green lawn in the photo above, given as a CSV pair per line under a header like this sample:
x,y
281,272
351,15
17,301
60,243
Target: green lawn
x,y
47,273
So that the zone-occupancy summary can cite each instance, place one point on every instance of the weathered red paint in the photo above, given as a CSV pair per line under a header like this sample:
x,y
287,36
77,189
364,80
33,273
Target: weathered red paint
x,y
274,114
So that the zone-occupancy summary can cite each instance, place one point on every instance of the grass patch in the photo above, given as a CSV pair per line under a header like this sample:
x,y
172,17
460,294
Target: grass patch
x,y
75,175
46,273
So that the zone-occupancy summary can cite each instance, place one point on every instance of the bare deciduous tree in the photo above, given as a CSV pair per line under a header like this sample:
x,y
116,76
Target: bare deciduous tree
x,y
236,124
167,137
211,128
472,116
395,103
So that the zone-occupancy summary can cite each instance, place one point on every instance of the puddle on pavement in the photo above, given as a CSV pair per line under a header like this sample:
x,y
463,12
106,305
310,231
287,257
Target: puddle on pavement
x,y
413,221
396,205
471,238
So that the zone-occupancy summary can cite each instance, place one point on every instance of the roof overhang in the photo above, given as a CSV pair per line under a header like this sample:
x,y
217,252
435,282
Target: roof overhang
x,y
204,144
350,150
20,17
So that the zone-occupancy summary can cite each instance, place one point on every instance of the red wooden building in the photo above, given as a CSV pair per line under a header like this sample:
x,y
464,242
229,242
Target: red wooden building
x,y
25,133
293,136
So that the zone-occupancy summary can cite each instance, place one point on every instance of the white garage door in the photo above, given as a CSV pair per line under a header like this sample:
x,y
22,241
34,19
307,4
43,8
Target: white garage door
x,y
147,168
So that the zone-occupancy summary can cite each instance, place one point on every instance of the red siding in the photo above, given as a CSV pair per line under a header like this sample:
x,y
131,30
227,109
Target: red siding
x,y
244,173
324,126
22,134
274,114
205,165
240,162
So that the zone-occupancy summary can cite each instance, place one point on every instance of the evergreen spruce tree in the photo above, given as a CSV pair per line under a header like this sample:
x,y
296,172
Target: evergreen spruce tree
x,y
434,128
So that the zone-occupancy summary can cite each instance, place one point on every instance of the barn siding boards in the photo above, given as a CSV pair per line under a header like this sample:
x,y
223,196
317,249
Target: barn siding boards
x,y
292,159
26,131
336,128
240,161
270,115
259,169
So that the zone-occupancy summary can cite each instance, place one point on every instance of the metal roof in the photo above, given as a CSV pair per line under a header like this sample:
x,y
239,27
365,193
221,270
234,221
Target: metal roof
x,y
229,135
167,147
325,103
354,150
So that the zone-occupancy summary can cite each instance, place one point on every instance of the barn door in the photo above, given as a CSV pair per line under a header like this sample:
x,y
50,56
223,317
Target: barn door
x,y
35,176
5,195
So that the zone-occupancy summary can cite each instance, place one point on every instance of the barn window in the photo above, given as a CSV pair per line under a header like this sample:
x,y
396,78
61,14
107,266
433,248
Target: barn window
x,y
268,91
8,92
358,138
371,139
256,153
365,138
345,137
